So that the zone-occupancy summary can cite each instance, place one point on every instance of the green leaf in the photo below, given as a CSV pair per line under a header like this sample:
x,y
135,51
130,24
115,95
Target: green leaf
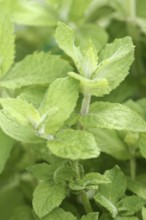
x,y
33,95
97,87
37,69
144,213
138,186
115,61
18,119
113,116
130,205
108,195
61,97
41,171
5,149
86,60
48,196
126,218
23,213
142,144
64,173
59,214
110,143
91,31
74,145
89,181
91,216
78,9
7,49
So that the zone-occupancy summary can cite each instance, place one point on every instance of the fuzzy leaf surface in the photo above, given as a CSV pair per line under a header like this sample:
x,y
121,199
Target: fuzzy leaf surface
x,y
61,96
113,116
48,196
59,214
90,216
36,69
5,148
74,145
7,48
115,61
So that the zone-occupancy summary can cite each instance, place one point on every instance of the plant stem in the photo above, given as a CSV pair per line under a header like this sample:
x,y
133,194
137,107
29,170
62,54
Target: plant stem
x,y
86,203
85,104
83,196
133,8
133,168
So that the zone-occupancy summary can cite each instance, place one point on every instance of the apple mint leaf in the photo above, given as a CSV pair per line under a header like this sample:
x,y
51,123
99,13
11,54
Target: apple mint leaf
x,y
48,196
7,48
85,60
115,61
33,95
144,213
61,97
64,173
113,116
126,218
22,212
74,145
41,171
129,205
18,119
110,143
137,186
92,31
37,69
109,194
141,144
5,149
59,214
91,216
89,182
97,87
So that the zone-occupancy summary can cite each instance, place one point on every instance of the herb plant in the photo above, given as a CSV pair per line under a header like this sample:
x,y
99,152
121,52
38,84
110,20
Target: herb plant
x,y
73,110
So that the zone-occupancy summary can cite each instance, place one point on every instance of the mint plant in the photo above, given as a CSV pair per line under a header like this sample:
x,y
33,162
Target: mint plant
x,y
72,128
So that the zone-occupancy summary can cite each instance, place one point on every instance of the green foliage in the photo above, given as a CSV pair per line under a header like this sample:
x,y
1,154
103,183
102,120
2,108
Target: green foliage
x,y
72,110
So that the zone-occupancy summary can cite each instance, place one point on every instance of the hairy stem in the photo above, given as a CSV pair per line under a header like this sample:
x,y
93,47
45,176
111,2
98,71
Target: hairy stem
x,y
83,196
85,104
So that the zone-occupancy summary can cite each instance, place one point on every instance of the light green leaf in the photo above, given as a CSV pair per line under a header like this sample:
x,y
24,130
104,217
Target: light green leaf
x,y
126,218
74,145
64,173
144,213
36,69
97,87
41,171
22,212
108,204
61,97
18,120
108,195
7,49
33,95
115,61
110,143
142,144
78,9
91,31
89,181
130,205
48,196
138,186
85,61
6,145
91,216
59,214
113,116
